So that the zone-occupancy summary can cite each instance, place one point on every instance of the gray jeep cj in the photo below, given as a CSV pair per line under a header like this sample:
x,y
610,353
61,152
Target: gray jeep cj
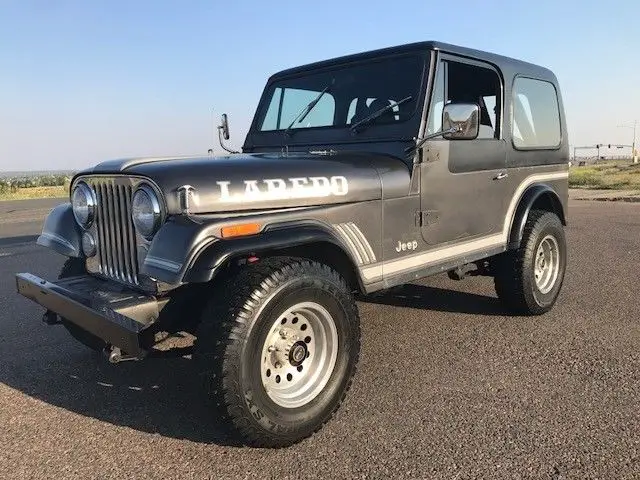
x,y
358,174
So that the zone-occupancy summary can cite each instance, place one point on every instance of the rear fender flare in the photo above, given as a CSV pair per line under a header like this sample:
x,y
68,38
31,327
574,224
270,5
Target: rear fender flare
x,y
526,203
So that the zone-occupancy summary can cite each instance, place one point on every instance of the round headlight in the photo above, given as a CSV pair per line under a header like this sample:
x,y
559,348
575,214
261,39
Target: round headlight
x,y
84,204
145,211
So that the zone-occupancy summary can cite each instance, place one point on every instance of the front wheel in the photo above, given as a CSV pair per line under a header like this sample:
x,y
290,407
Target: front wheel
x,y
277,348
528,280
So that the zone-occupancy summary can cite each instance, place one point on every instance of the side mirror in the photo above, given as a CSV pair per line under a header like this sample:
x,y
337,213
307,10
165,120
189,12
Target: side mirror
x,y
460,121
224,127
223,132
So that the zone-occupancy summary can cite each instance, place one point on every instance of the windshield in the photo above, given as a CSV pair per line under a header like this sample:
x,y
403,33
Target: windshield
x,y
351,93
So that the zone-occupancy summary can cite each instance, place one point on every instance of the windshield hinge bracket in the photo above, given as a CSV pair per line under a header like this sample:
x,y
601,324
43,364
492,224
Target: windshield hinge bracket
x,y
424,218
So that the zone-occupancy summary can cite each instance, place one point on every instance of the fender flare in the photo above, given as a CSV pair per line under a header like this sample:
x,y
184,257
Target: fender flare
x,y
206,254
528,199
61,233
206,264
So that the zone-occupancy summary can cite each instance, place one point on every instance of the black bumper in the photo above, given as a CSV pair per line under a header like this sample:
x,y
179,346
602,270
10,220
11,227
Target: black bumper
x,y
119,316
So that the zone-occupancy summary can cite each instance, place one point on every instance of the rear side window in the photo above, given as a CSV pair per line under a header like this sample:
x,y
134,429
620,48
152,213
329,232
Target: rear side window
x,y
536,116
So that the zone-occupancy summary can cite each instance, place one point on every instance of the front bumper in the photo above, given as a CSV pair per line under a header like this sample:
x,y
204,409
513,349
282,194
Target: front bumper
x,y
119,316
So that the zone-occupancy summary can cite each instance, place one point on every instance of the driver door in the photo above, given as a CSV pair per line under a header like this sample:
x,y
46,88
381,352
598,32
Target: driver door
x,y
462,181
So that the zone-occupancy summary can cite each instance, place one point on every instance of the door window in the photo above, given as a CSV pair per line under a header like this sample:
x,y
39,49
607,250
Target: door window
x,y
461,82
479,85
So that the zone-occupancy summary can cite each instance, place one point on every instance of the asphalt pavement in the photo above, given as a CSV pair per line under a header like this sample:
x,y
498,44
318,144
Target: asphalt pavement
x,y
448,386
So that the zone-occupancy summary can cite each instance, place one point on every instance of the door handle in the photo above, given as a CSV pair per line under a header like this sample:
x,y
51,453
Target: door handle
x,y
501,175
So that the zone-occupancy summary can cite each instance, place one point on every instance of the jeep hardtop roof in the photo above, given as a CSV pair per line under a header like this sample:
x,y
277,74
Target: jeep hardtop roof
x,y
519,66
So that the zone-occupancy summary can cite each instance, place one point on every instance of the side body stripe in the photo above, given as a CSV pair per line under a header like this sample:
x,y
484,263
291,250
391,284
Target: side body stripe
x,y
437,255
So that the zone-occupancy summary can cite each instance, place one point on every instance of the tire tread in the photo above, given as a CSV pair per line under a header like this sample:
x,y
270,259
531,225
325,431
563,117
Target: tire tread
x,y
219,342
509,279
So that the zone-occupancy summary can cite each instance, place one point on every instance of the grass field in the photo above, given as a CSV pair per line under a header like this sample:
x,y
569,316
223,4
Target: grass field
x,y
612,175
36,192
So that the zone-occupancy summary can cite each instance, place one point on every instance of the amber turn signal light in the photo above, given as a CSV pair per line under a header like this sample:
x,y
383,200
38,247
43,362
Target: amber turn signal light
x,y
240,230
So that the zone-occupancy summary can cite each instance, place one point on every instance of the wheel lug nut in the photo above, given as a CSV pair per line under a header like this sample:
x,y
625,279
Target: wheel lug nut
x,y
283,333
272,348
278,365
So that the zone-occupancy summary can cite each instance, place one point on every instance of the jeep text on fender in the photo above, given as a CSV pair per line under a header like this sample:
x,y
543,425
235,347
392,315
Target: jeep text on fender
x,y
357,174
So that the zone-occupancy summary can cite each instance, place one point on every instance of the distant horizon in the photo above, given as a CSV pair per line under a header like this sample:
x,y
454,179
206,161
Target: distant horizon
x,y
71,171
19,173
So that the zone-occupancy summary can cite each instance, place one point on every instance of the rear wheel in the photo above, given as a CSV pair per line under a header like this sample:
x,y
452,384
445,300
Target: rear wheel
x,y
528,280
71,268
277,349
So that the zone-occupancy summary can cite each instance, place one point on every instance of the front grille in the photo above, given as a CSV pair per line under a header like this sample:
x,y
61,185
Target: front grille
x,y
117,256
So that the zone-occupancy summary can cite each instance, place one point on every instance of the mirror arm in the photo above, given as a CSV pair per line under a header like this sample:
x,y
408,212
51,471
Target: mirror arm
x,y
224,147
423,140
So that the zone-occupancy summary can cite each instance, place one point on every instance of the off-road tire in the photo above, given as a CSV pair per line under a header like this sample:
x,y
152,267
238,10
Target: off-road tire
x,y
232,334
514,276
71,268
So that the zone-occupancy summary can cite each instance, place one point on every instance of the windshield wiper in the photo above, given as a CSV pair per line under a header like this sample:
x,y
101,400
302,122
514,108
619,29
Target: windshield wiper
x,y
377,113
305,111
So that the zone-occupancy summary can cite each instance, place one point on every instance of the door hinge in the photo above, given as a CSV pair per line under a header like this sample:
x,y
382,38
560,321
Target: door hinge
x,y
426,217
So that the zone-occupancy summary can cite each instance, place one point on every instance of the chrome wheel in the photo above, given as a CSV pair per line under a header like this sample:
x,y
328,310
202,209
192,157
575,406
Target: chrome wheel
x,y
299,354
547,264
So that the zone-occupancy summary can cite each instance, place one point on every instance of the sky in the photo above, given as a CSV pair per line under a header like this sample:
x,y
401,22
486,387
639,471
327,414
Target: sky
x,y
82,82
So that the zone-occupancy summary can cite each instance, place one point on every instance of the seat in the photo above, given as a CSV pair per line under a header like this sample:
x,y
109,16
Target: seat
x,y
361,111
378,104
485,129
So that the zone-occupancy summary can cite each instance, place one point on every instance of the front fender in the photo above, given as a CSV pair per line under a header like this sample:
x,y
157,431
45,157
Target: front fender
x,y
185,252
61,232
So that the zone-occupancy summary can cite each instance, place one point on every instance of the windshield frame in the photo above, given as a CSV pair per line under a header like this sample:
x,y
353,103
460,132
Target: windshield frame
x,y
340,134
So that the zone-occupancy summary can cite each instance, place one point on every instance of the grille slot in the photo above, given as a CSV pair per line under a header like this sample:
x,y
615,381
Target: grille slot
x,y
117,252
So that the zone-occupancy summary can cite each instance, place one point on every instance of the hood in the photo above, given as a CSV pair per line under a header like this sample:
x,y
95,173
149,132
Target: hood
x,y
260,181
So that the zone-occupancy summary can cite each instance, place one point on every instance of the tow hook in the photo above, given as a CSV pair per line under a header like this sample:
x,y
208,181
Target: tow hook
x,y
115,355
51,318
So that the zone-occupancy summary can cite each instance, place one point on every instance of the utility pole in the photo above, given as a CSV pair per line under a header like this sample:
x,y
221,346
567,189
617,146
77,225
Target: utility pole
x,y
634,153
